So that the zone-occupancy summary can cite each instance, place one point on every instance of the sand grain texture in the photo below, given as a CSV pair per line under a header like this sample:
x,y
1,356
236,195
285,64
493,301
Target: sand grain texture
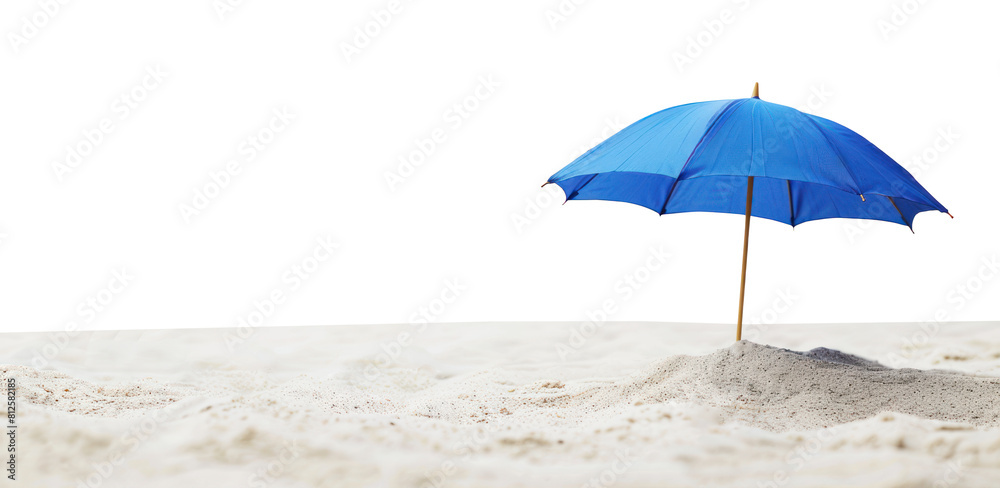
x,y
471,406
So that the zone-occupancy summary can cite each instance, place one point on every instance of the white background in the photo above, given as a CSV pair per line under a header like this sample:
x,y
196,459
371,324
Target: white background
x,y
564,84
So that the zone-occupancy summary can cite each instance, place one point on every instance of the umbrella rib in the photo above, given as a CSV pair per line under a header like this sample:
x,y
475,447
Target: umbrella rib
x,y
791,208
715,120
893,202
835,151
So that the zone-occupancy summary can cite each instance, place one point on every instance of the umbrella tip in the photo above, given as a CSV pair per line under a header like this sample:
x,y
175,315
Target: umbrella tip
x,y
756,90
950,215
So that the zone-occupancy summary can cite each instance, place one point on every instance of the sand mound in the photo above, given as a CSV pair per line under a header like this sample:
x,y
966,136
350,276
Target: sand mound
x,y
780,390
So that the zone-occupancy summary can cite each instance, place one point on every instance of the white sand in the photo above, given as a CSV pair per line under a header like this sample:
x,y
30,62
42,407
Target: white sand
x,y
496,405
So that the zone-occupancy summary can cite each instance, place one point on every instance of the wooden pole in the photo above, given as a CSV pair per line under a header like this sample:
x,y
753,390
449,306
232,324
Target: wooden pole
x,y
746,242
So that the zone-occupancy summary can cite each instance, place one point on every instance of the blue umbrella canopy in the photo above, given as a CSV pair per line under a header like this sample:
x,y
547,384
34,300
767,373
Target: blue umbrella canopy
x,y
749,157
699,157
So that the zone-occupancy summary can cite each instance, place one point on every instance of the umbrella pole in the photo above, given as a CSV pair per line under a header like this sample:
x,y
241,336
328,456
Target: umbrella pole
x,y
746,242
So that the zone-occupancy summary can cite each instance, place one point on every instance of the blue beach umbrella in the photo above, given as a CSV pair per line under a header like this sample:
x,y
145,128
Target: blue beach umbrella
x,y
747,157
